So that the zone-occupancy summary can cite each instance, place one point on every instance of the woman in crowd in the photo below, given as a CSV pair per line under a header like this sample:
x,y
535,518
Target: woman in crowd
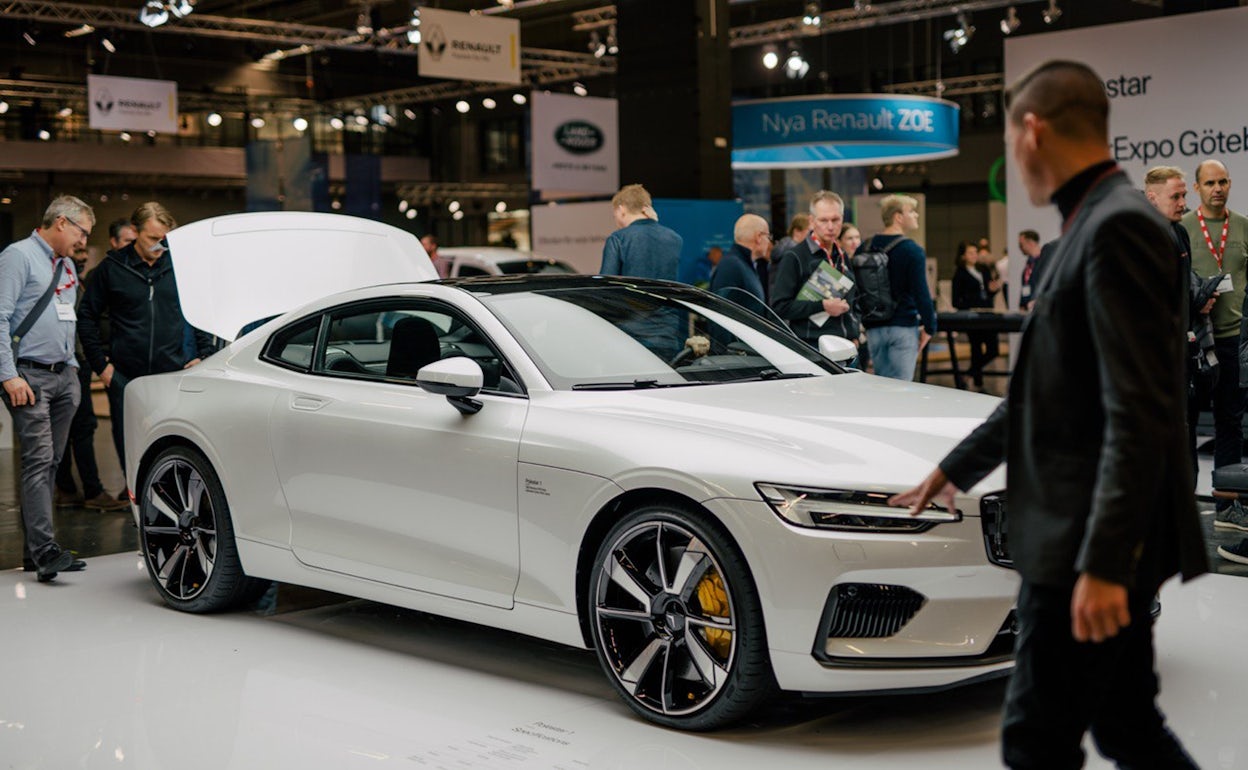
x,y
850,240
973,288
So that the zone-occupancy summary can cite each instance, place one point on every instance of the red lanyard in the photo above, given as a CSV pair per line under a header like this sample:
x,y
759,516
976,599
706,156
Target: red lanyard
x,y
1226,226
830,251
69,275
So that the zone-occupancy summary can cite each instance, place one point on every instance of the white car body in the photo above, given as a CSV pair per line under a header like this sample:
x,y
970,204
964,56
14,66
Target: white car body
x,y
471,261
385,491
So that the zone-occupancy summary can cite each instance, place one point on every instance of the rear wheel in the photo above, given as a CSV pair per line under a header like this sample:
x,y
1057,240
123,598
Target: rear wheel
x,y
187,535
677,622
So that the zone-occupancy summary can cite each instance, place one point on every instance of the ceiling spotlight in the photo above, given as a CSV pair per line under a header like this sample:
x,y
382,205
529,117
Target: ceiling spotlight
x,y
960,36
1052,13
488,103
403,205
363,26
771,57
4,106
361,120
336,123
85,29
500,207
579,89
596,46
257,122
44,134
108,45
153,14
213,119
613,42
300,124
462,106
151,134
409,113
458,215
413,28
861,6
181,8
877,183
519,98
813,17
335,204
411,214
507,3
387,119
65,112
124,136
453,206
1010,23
29,38
795,66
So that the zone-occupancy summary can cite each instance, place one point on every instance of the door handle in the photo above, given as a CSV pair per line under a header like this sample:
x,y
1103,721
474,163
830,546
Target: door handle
x,y
307,403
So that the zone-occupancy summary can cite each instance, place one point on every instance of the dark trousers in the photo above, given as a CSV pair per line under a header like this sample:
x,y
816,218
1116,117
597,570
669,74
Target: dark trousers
x,y
1228,404
1061,688
81,447
983,351
116,403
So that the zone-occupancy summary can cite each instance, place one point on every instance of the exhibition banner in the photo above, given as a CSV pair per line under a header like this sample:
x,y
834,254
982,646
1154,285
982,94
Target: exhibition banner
x,y
1159,114
858,130
572,232
576,146
132,104
464,46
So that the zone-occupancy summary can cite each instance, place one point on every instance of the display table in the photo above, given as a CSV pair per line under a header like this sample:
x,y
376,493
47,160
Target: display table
x,y
968,321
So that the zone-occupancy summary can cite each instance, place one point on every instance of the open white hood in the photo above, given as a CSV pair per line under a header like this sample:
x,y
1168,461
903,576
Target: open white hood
x,y
240,268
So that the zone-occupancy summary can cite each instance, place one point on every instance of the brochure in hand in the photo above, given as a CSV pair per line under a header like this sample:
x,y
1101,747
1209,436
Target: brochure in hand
x,y
826,282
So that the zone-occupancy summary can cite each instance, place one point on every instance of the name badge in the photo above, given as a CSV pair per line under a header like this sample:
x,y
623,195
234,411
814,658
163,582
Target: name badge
x,y
65,312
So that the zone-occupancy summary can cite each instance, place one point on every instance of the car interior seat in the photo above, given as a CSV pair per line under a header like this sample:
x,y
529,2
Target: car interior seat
x,y
413,344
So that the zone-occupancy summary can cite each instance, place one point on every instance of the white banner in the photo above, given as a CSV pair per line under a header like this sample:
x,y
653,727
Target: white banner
x,y
132,104
461,46
573,232
1158,114
576,145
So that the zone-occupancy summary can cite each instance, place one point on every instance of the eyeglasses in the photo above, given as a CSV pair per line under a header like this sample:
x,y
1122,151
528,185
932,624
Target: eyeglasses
x,y
769,237
85,232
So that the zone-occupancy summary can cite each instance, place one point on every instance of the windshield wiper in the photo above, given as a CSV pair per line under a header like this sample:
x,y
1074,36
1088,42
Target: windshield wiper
x,y
634,385
776,374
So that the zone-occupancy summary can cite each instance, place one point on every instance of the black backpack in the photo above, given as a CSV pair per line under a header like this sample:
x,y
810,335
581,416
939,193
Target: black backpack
x,y
875,294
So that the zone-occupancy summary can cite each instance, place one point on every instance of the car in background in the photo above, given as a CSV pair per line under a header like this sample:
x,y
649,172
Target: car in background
x,y
636,467
470,261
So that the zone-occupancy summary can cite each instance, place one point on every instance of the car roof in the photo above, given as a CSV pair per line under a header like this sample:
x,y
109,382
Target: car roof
x,y
492,254
513,284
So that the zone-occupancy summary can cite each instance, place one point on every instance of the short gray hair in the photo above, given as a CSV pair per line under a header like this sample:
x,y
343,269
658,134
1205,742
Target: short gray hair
x,y
69,207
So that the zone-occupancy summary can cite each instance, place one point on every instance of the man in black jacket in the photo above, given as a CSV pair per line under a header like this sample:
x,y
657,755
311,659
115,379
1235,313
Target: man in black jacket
x,y
136,287
1101,509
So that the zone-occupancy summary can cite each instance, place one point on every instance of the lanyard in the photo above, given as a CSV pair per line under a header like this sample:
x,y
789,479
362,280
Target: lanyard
x,y
1226,226
831,250
70,279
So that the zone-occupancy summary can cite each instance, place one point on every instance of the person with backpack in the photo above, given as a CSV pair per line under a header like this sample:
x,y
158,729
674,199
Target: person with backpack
x,y
834,314
896,282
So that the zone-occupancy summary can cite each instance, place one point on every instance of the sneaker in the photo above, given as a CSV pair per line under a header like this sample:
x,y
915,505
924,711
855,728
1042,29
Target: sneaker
x,y
106,502
1235,553
51,560
1231,517
66,499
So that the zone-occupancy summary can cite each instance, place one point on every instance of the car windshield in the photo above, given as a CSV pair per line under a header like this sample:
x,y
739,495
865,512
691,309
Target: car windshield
x,y
619,336
533,266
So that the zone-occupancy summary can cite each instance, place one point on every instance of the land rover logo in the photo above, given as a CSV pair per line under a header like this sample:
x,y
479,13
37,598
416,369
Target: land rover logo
x,y
579,137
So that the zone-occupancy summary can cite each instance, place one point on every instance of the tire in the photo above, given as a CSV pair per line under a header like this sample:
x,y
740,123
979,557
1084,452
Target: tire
x,y
187,536
681,637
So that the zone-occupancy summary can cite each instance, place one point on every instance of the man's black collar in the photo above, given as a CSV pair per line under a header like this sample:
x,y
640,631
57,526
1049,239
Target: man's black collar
x,y
1070,194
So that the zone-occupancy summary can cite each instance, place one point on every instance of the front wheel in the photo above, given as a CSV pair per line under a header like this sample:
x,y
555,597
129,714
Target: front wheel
x,y
187,536
677,622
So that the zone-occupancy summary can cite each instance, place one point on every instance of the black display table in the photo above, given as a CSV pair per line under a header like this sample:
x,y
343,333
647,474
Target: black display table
x,y
968,321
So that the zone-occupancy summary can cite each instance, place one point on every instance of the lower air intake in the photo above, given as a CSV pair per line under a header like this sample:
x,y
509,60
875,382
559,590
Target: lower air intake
x,y
869,610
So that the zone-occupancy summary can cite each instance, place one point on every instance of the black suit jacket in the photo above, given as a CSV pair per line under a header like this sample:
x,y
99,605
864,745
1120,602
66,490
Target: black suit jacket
x,y
1093,426
969,293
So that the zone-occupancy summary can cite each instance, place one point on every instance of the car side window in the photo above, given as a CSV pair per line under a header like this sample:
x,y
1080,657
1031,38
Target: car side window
x,y
293,346
393,341
468,271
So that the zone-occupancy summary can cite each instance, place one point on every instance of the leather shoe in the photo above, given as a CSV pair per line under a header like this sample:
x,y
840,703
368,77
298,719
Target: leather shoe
x,y
66,499
51,560
106,502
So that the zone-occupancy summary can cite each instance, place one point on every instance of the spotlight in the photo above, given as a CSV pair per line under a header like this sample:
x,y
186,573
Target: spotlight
x,y
959,37
1052,13
500,207
108,45
336,123
4,106
795,66
29,38
413,28
453,206
861,6
519,98
403,204
813,17
488,103
85,29
409,113
335,204
125,137
877,183
771,57
579,89
361,120
257,122
363,26
387,119
1010,23
411,214
458,215
596,46
181,8
153,14
65,112
300,124
462,106
44,134
613,42
213,119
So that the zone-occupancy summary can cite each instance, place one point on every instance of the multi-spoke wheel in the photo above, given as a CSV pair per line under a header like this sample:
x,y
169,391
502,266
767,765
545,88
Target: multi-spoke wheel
x,y
187,537
676,620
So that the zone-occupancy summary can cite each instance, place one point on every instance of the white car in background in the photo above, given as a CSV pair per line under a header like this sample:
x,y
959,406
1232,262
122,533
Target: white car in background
x,y
471,261
637,467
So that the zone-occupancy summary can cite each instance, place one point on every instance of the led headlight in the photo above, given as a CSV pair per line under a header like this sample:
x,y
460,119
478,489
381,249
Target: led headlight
x,y
847,509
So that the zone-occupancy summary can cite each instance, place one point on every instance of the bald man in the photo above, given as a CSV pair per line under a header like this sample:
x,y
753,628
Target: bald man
x,y
738,269
1101,509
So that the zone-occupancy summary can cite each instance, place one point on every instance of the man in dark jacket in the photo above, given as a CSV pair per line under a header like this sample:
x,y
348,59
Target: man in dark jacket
x,y
737,273
136,288
1100,488
810,319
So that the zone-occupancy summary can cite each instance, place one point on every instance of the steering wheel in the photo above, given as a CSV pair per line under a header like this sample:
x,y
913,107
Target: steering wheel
x,y
684,355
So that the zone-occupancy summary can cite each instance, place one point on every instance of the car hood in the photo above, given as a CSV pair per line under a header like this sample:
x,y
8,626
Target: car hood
x,y
876,433
237,269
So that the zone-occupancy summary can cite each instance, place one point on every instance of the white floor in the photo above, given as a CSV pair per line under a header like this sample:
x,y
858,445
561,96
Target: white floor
x,y
96,673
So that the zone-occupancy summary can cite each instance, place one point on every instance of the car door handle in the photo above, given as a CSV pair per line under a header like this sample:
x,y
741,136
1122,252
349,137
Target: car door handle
x,y
307,403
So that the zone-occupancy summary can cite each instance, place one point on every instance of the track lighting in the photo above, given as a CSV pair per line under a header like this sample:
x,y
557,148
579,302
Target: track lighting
x,y
1010,23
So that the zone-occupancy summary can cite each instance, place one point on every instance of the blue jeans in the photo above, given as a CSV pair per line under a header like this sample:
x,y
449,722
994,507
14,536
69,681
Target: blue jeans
x,y
895,350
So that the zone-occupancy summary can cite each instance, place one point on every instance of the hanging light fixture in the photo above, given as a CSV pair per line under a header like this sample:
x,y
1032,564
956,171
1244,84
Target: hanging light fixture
x,y
519,98
795,66
1052,13
596,46
579,89
613,42
181,8
413,28
153,14
813,18
107,45
1010,23
300,124
771,56
85,29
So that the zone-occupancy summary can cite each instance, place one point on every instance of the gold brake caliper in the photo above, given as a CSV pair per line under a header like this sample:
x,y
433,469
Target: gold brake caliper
x,y
714,601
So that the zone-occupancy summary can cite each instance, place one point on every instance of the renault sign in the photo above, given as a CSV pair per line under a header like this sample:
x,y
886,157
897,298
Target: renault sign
x,y
463,46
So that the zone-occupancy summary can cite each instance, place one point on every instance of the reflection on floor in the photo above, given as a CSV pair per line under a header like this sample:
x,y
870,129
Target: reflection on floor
x,y
99,673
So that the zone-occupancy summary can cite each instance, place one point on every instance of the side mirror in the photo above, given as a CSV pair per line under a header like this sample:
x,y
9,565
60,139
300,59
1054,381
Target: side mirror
x,y
459,379
836,349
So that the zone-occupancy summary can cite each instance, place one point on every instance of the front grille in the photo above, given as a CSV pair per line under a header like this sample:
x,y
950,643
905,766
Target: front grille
x,y
996,530
868,610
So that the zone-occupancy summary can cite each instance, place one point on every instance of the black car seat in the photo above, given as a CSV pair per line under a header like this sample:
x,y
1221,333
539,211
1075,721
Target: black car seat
x,y
413,344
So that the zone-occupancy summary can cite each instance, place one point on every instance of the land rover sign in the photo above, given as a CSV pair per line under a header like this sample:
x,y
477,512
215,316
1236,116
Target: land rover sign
x,y
579,137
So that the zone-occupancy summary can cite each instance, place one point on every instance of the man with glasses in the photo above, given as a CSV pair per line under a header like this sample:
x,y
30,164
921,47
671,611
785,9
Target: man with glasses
x,y
135,286
39,372
738,270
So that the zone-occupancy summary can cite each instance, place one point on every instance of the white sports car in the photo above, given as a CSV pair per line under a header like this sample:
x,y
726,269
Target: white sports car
x,y
634,466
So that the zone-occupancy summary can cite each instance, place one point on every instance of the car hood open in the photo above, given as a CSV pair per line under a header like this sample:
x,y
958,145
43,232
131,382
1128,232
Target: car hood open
x,y
237,269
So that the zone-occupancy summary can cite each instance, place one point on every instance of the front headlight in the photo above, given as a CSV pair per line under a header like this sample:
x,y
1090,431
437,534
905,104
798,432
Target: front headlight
x,y
847,509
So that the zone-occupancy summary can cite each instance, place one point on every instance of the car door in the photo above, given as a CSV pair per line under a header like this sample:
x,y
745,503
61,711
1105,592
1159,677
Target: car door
x,y
388,482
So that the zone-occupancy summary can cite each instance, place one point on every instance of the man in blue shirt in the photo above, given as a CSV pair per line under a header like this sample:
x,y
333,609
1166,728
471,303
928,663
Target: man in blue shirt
x,y
895,343
39,373
641,247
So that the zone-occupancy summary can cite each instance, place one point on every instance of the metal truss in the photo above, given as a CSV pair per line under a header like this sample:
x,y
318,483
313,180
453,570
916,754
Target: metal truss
x,y
595,18
426,193
947,87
